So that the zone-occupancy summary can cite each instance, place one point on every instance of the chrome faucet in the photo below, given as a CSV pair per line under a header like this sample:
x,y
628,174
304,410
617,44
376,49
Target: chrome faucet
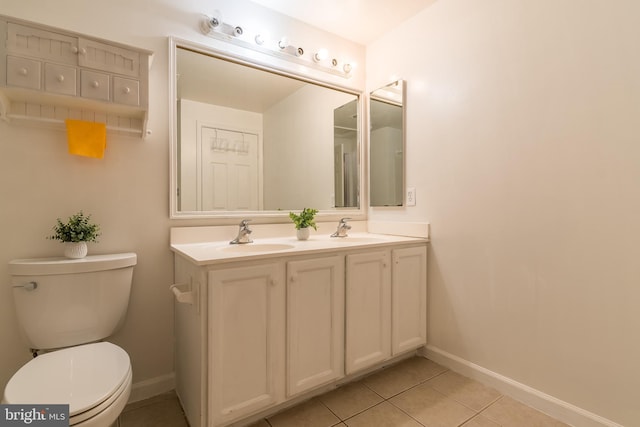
x,y
243,233
343,227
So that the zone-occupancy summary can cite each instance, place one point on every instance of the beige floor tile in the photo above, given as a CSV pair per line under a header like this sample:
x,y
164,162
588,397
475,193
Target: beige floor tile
x,y
171,395
308,414
261,423
511,413
159,413
350,400
382,415
464,390
432,408
480,421
401,377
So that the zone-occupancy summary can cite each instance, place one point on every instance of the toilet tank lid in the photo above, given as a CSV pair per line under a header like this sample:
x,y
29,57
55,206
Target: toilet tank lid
x,y
59,265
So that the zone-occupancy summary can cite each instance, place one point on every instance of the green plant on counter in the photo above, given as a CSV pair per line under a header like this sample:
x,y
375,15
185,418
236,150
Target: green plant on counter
x,y
304,219
78,228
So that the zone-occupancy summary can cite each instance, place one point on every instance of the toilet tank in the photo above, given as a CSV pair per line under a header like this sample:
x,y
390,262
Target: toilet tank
x,y
73,301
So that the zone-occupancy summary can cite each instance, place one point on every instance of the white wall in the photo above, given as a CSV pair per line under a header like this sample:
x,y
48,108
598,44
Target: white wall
x,y
523,148
299,136
127,191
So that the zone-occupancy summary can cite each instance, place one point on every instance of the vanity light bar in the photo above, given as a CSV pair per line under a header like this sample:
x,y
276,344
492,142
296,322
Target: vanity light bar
x,y
213,26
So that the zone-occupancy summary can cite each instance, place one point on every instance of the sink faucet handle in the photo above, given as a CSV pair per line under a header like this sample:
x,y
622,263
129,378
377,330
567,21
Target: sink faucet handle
x,y
343,227
243,233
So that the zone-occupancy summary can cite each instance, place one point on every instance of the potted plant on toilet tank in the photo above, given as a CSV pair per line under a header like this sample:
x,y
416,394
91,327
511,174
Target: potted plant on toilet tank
x,y
75,233
303,221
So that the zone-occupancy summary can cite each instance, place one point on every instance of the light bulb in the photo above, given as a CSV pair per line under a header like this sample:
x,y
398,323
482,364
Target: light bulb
x,y
320,55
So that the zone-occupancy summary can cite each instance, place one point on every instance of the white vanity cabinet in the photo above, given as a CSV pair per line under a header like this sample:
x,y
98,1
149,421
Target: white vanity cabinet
x,y
408,299
49,74
385,305
246,308
267,330
315,322
368,309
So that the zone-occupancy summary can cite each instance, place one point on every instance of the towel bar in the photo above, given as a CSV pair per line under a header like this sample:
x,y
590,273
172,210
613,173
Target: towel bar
x,y
184,297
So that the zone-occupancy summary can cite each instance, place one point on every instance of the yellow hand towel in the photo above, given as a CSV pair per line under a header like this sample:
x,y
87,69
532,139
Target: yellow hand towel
x,y
86,138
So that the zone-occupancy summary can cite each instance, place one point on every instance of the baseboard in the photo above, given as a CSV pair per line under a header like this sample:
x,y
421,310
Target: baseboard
x,y
152,387
543,402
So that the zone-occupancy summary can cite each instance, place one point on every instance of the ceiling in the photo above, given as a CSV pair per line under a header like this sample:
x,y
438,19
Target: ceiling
x,y
361,21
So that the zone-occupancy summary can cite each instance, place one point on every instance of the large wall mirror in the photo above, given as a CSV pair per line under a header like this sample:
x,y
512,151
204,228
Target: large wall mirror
x,y
252,141
386,145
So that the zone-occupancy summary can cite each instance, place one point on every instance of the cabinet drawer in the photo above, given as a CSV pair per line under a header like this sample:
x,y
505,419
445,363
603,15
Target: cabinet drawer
x,y
111,59
22,72
60,79
126,91
94,85
42,44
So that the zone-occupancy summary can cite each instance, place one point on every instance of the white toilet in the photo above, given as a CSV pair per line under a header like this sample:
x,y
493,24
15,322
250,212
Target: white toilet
x,y
65,307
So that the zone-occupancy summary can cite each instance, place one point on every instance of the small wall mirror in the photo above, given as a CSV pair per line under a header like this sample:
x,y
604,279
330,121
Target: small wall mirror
x,y
249,140
386,145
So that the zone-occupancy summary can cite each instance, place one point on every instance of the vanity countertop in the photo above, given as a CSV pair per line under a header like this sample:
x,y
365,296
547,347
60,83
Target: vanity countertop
x,y
216,252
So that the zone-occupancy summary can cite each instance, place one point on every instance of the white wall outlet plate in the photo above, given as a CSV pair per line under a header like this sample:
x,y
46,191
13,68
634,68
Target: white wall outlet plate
x,y
411,196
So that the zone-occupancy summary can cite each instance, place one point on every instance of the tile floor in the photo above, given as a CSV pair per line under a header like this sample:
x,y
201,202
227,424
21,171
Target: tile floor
x,y
414,393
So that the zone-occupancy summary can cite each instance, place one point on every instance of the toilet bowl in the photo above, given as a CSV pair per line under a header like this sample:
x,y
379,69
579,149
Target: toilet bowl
x,y
93,379
65,308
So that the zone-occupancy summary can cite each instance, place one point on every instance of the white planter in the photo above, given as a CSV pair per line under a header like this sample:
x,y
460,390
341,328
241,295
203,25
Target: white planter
x,y
75,249
302,233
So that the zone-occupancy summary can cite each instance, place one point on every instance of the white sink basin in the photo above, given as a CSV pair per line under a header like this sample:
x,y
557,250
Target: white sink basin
x,y
257,247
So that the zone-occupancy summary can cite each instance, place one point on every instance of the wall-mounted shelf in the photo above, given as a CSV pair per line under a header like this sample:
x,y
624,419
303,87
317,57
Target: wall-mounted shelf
x,y
48,75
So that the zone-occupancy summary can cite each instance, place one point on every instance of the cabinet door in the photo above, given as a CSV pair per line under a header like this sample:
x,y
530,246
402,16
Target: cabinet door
x,y
246,340
409,297
368,309
108,58
315,323
42,44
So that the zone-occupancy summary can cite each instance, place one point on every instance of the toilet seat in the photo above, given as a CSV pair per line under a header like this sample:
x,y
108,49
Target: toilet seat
x,y
105,413
88,377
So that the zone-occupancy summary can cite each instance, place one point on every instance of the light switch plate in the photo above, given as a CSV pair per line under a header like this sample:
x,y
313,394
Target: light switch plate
x,y
411,196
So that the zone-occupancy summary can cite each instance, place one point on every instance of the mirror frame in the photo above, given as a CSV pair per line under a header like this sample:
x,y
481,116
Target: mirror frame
x,y
247,58
370,97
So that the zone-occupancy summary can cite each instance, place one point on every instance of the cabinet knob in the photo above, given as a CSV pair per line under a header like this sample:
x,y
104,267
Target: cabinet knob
x,y
126,90
61,78
74,49
95,84
83,51
23,71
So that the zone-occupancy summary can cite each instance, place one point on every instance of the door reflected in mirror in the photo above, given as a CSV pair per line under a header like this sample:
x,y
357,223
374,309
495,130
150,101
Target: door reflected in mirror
x,y
251,139
386,145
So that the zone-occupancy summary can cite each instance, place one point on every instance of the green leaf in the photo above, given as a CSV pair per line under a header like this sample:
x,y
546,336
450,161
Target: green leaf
x,y
304,219
78,228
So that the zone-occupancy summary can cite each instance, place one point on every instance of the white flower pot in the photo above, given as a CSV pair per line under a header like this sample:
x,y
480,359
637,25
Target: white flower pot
x,y
302,233
75,249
